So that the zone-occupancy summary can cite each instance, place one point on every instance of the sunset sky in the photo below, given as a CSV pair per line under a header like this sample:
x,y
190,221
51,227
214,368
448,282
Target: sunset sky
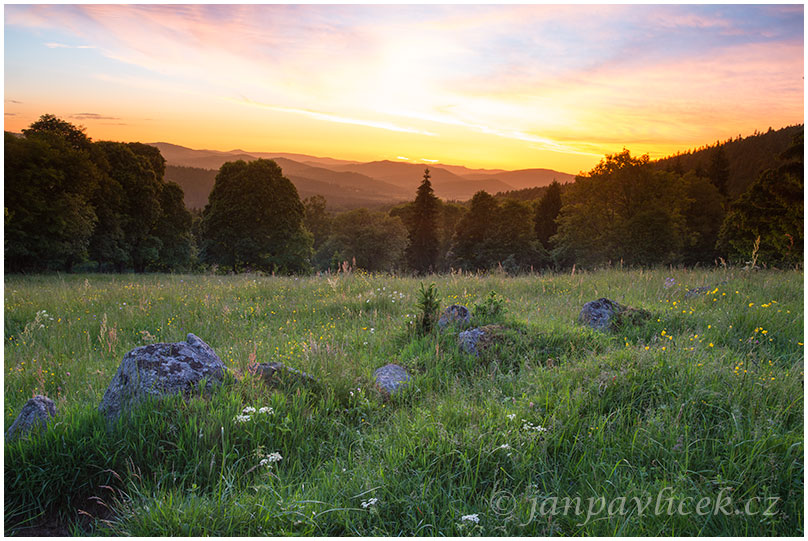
x,y
483,86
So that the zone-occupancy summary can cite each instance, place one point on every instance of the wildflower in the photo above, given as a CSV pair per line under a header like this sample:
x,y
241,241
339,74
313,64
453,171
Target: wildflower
x,y
504,446
241,418
267,409
248,409
475,518
273,457
669,283
511,416
371,502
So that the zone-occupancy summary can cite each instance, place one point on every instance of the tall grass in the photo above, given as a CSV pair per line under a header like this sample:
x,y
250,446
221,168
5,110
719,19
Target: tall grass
x,y
705,399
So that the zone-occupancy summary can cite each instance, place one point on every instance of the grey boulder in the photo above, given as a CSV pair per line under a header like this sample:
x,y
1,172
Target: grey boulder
x,y
391,378
607,315
454,314
34,416
161,369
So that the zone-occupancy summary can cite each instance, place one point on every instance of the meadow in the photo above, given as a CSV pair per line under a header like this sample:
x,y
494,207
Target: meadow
x,y
557,430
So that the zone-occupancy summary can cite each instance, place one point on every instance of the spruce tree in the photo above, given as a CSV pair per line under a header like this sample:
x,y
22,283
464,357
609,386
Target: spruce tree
x,y
546,213
422,250
719,170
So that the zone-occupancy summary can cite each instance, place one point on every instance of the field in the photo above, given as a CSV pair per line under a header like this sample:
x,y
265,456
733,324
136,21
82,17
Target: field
x,y
688,424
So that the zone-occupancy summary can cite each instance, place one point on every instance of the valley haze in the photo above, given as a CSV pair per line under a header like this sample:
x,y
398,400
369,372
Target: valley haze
x,y
346,183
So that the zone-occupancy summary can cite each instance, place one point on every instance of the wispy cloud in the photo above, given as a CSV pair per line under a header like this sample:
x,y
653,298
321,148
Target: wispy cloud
x,y
93,116
328,117
53,45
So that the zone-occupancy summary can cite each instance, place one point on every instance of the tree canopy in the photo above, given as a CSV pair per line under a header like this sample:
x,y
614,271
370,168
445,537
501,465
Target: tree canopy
x,y
70,200
254,220
766,223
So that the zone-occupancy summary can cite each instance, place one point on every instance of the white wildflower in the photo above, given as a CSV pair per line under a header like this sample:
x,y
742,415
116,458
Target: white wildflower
x,y
475,518
530,426
270,458
370,502
241,418
267,409
504,446
511,416
248,409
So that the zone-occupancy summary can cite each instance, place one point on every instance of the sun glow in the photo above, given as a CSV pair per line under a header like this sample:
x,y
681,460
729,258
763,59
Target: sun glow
x,y
484,86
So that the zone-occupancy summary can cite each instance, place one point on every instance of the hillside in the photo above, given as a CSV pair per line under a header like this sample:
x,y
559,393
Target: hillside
x,y
747,156
197,184
526,178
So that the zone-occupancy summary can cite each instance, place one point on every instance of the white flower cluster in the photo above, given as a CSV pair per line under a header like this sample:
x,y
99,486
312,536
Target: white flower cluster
x,y
370,502
511,416
527,425
475,518
270,458
245,413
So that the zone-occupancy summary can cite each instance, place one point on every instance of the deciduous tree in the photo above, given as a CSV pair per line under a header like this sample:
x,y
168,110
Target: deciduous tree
x,y
254,220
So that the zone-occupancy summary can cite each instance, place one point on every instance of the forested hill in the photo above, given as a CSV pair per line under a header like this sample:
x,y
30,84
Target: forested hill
x,y
745,157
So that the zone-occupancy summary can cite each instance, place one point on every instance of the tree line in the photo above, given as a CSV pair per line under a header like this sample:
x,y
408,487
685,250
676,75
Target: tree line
x,y
72,203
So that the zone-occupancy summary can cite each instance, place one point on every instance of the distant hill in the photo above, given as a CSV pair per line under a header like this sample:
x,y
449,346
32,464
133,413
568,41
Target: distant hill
x,y
447,185
526,178
348,179
347,184
747,156
196,183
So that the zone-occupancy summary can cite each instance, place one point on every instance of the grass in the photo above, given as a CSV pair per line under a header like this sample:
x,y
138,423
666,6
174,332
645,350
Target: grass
x,y
703,401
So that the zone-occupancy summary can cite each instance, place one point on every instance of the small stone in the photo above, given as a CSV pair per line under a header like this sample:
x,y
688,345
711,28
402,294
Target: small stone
x,y
277,373
455,314
161,369
607,315
468,340
391,378
34,415
476,340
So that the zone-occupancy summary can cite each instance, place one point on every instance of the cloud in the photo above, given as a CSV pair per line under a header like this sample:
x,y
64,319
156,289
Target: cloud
x,y
328,117
12,101
10,114
93,116
52,45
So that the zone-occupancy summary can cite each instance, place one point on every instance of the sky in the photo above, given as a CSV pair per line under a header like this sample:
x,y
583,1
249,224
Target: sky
x,y
490,86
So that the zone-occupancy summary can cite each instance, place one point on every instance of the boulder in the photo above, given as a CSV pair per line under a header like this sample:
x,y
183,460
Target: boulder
x,y
34,415
607,315
454,314
161,369
476,340
275,374
391,378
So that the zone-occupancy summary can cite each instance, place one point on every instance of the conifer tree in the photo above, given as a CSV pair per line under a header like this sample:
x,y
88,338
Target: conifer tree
x,y
546,213
422,250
